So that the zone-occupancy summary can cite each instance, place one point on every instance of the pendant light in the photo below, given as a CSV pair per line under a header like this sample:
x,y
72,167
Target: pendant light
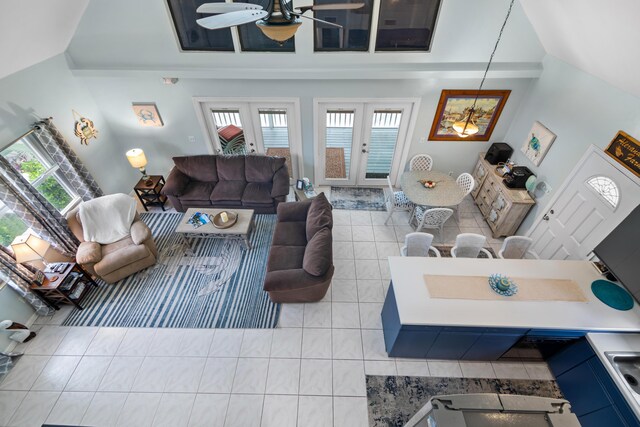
x,y
467,126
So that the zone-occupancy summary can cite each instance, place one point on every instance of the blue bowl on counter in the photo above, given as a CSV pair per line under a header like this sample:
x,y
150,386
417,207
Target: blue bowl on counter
x,y
503,285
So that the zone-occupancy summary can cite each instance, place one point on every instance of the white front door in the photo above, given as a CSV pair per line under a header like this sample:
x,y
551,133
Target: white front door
x,y
595,198
360,143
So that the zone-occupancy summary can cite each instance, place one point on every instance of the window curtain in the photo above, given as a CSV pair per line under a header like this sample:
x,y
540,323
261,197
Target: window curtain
x,y
70,165
19,278
40,215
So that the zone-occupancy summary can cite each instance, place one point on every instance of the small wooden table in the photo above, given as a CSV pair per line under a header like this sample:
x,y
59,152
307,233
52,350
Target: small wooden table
x,y
64,287
149,195
240,231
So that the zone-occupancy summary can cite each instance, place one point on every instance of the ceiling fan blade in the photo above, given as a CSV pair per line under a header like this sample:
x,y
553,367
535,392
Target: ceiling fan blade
x,y
226,7
230,19
332,6
316,19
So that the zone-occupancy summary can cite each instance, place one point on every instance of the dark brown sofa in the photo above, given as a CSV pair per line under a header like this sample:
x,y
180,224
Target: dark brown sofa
x,y
300,265
250,182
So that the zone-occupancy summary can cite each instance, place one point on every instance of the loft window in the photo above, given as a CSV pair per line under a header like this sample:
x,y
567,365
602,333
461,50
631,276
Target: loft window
x,y
253,40
406,25
605,188
191,35
354,34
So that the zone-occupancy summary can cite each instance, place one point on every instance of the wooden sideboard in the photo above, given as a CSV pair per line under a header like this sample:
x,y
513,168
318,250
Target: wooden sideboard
x,y
503,208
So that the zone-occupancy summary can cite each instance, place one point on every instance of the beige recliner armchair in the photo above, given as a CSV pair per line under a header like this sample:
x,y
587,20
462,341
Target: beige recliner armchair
x,y
115,261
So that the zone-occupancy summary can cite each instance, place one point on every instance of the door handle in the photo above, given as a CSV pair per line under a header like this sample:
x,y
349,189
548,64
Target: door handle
x,y
546,216
364,151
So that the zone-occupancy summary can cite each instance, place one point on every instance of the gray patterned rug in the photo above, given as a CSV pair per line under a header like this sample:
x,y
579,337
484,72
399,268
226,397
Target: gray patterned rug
x,y
393,400
210,283
360,199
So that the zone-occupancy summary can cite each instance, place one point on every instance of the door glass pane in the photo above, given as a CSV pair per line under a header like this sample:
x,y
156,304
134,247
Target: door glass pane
x,y
191,35
275,135
253,40
406,25
355,31
229,128
382,144
338,142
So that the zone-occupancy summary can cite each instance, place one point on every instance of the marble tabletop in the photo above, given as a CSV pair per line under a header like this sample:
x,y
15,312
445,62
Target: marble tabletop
x,y
445,193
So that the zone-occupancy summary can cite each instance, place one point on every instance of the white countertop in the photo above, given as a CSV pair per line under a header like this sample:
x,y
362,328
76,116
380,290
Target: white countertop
x,y
416,307
601,343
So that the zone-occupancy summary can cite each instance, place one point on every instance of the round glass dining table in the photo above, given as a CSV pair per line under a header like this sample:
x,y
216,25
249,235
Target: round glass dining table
x,y
446,193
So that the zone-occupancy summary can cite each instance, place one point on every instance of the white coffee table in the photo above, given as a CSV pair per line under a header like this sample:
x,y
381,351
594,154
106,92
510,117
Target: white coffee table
x,y
240,231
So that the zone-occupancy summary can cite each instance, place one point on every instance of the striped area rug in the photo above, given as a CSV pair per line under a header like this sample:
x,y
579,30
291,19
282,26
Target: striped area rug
x,y
216,285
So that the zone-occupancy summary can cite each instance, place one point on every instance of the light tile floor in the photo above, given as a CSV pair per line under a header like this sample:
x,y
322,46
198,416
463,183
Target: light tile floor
x,y
310,371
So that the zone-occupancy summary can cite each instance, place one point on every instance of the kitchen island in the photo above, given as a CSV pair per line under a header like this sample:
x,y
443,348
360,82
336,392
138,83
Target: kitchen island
x,y
416,325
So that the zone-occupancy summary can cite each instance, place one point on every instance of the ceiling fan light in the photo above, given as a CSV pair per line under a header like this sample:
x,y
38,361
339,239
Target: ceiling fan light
x,y
279,32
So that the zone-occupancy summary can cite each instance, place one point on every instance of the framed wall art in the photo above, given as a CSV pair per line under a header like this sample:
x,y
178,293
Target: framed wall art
x,y
538,142
147,114
454,105
626,150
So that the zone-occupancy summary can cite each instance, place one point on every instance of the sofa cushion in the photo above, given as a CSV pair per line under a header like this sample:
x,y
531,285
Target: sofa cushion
x,y
228,191
319,215
285,257
290,234
257,193
125,254
318,254
198,191
231,168
262,168
199,168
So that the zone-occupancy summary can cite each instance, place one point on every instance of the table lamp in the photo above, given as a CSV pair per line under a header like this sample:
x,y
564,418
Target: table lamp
x,y
29,248
137,159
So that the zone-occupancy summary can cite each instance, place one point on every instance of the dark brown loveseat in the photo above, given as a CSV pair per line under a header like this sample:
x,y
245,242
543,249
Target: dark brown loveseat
x,y
250,182
300,265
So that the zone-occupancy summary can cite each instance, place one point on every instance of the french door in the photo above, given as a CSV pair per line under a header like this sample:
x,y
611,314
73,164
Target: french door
x,y
254,127
360,143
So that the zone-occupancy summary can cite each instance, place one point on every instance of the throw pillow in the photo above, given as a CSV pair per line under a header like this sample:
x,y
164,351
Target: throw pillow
x,y
318,255
319,215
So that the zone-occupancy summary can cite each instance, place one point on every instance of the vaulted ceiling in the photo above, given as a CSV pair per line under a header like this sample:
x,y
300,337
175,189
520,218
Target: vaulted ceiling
x,y
597,37
34,30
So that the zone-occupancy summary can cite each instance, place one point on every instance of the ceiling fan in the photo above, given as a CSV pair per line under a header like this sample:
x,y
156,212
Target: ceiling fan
x,y
279,21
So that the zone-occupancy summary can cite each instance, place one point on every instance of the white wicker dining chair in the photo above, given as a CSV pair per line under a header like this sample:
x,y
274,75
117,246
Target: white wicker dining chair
x,y
469,245
421,162
397,201
431,218
517,247
466,182
418,244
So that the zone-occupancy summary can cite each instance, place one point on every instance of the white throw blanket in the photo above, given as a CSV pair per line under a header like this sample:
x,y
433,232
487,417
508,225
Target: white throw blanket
x,y
107,219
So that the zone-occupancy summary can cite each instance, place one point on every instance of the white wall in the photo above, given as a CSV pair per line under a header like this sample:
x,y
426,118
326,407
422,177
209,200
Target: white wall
x,y
114,95
581,110
12,307
48,89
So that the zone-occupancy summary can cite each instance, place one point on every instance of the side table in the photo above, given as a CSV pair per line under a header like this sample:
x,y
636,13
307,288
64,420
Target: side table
x,y
149,195
67,287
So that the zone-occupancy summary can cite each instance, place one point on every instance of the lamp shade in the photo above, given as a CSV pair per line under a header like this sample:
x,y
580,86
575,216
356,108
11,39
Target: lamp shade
x,y
29,248
465,129
137,158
